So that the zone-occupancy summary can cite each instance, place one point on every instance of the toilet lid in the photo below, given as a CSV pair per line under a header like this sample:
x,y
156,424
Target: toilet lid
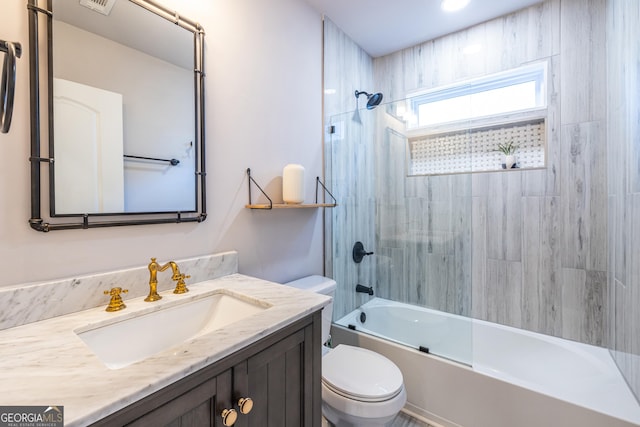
x,y
361,374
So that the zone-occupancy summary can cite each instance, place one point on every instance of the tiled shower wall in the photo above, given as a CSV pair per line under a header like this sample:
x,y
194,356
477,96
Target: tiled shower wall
x,y
530,244
538,239
349,162
623,135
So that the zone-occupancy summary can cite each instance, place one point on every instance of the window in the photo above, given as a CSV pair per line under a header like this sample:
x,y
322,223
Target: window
x,y
518,90
458,128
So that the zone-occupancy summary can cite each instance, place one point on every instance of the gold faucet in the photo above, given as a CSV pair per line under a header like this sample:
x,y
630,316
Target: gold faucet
x,y
154,267
116,302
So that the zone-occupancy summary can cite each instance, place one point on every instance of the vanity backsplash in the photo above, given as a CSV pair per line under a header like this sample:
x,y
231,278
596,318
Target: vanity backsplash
x,y
29,303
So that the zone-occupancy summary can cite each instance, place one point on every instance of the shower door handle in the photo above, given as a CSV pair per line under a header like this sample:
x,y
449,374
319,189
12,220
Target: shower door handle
x,y
8,82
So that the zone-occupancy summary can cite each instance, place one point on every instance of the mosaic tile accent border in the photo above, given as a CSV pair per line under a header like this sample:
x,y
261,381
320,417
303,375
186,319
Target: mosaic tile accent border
x,y
475,150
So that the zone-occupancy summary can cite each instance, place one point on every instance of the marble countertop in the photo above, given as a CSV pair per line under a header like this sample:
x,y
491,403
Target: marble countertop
x,y
46,363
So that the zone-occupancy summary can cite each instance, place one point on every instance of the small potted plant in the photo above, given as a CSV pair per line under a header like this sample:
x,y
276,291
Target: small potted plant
x,y
508,150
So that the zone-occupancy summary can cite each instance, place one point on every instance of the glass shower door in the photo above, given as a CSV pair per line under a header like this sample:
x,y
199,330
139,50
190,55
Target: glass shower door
x,y
418,225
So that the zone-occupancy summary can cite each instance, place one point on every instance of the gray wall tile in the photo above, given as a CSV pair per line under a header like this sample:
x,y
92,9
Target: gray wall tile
x,y
551,227
531,304
584,192
479,256
583,70
583,304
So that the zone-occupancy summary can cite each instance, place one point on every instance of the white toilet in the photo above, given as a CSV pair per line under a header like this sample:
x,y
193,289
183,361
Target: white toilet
x,y
359,387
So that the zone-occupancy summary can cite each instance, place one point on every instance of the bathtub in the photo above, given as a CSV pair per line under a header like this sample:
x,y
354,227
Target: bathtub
x,y
472,373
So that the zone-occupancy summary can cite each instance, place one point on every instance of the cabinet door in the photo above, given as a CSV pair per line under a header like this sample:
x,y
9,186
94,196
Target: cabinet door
x,y
199,407
278,379
278,373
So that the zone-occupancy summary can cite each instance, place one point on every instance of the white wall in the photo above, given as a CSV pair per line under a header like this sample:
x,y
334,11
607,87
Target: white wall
x,y
263,110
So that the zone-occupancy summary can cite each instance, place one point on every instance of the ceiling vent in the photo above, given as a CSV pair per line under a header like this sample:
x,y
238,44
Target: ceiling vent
x,y
101,6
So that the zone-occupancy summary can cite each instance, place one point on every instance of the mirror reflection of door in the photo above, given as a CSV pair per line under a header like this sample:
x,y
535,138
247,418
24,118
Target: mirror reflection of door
x,y
150,62
89,172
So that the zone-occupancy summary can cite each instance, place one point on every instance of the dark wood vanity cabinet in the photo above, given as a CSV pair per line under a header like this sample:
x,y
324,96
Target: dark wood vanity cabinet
x,y
280,373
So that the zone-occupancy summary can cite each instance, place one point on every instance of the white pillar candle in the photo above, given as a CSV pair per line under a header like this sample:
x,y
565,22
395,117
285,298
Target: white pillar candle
x,y
293,184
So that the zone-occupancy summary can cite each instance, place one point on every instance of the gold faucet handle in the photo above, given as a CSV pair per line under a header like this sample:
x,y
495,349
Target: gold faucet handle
x,y
116,302
181,287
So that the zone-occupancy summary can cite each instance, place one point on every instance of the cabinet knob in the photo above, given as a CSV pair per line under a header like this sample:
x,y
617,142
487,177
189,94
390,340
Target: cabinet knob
x,y
229,417
245,404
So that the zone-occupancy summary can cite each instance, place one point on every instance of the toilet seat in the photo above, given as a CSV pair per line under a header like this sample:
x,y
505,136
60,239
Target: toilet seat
x,y
360,374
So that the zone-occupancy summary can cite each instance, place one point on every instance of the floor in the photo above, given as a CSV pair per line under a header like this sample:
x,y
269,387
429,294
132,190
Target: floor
x,y
402,420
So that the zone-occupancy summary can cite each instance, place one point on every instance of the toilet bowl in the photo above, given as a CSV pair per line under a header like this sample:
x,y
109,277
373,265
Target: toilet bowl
x,y
359,387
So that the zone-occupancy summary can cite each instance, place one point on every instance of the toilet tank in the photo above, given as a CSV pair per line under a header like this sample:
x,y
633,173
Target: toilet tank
x,y
321,285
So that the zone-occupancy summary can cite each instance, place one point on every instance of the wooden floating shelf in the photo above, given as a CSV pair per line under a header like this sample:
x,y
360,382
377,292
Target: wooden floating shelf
x,y
291,206
271,205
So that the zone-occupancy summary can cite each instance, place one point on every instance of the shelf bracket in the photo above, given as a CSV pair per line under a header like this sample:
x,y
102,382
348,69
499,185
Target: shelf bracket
x,y
259,188
335,202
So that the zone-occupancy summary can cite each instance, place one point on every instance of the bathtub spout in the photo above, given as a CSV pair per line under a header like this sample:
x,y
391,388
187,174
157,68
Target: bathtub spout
x,y
364,289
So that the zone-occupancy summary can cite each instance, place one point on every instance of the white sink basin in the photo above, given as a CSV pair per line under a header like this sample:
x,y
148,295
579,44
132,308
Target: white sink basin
x,y
135,338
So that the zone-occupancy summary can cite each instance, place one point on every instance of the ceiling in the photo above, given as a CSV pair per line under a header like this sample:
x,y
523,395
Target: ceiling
x,y
160,37
381,27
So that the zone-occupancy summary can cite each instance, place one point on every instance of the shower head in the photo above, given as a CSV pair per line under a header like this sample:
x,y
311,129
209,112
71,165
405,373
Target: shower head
x,y
373,99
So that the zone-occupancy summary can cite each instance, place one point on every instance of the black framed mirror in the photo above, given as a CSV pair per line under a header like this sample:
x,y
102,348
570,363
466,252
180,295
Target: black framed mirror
x,y
117,114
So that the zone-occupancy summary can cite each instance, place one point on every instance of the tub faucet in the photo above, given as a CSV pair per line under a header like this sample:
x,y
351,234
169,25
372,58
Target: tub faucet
x,y
364,289
154,267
